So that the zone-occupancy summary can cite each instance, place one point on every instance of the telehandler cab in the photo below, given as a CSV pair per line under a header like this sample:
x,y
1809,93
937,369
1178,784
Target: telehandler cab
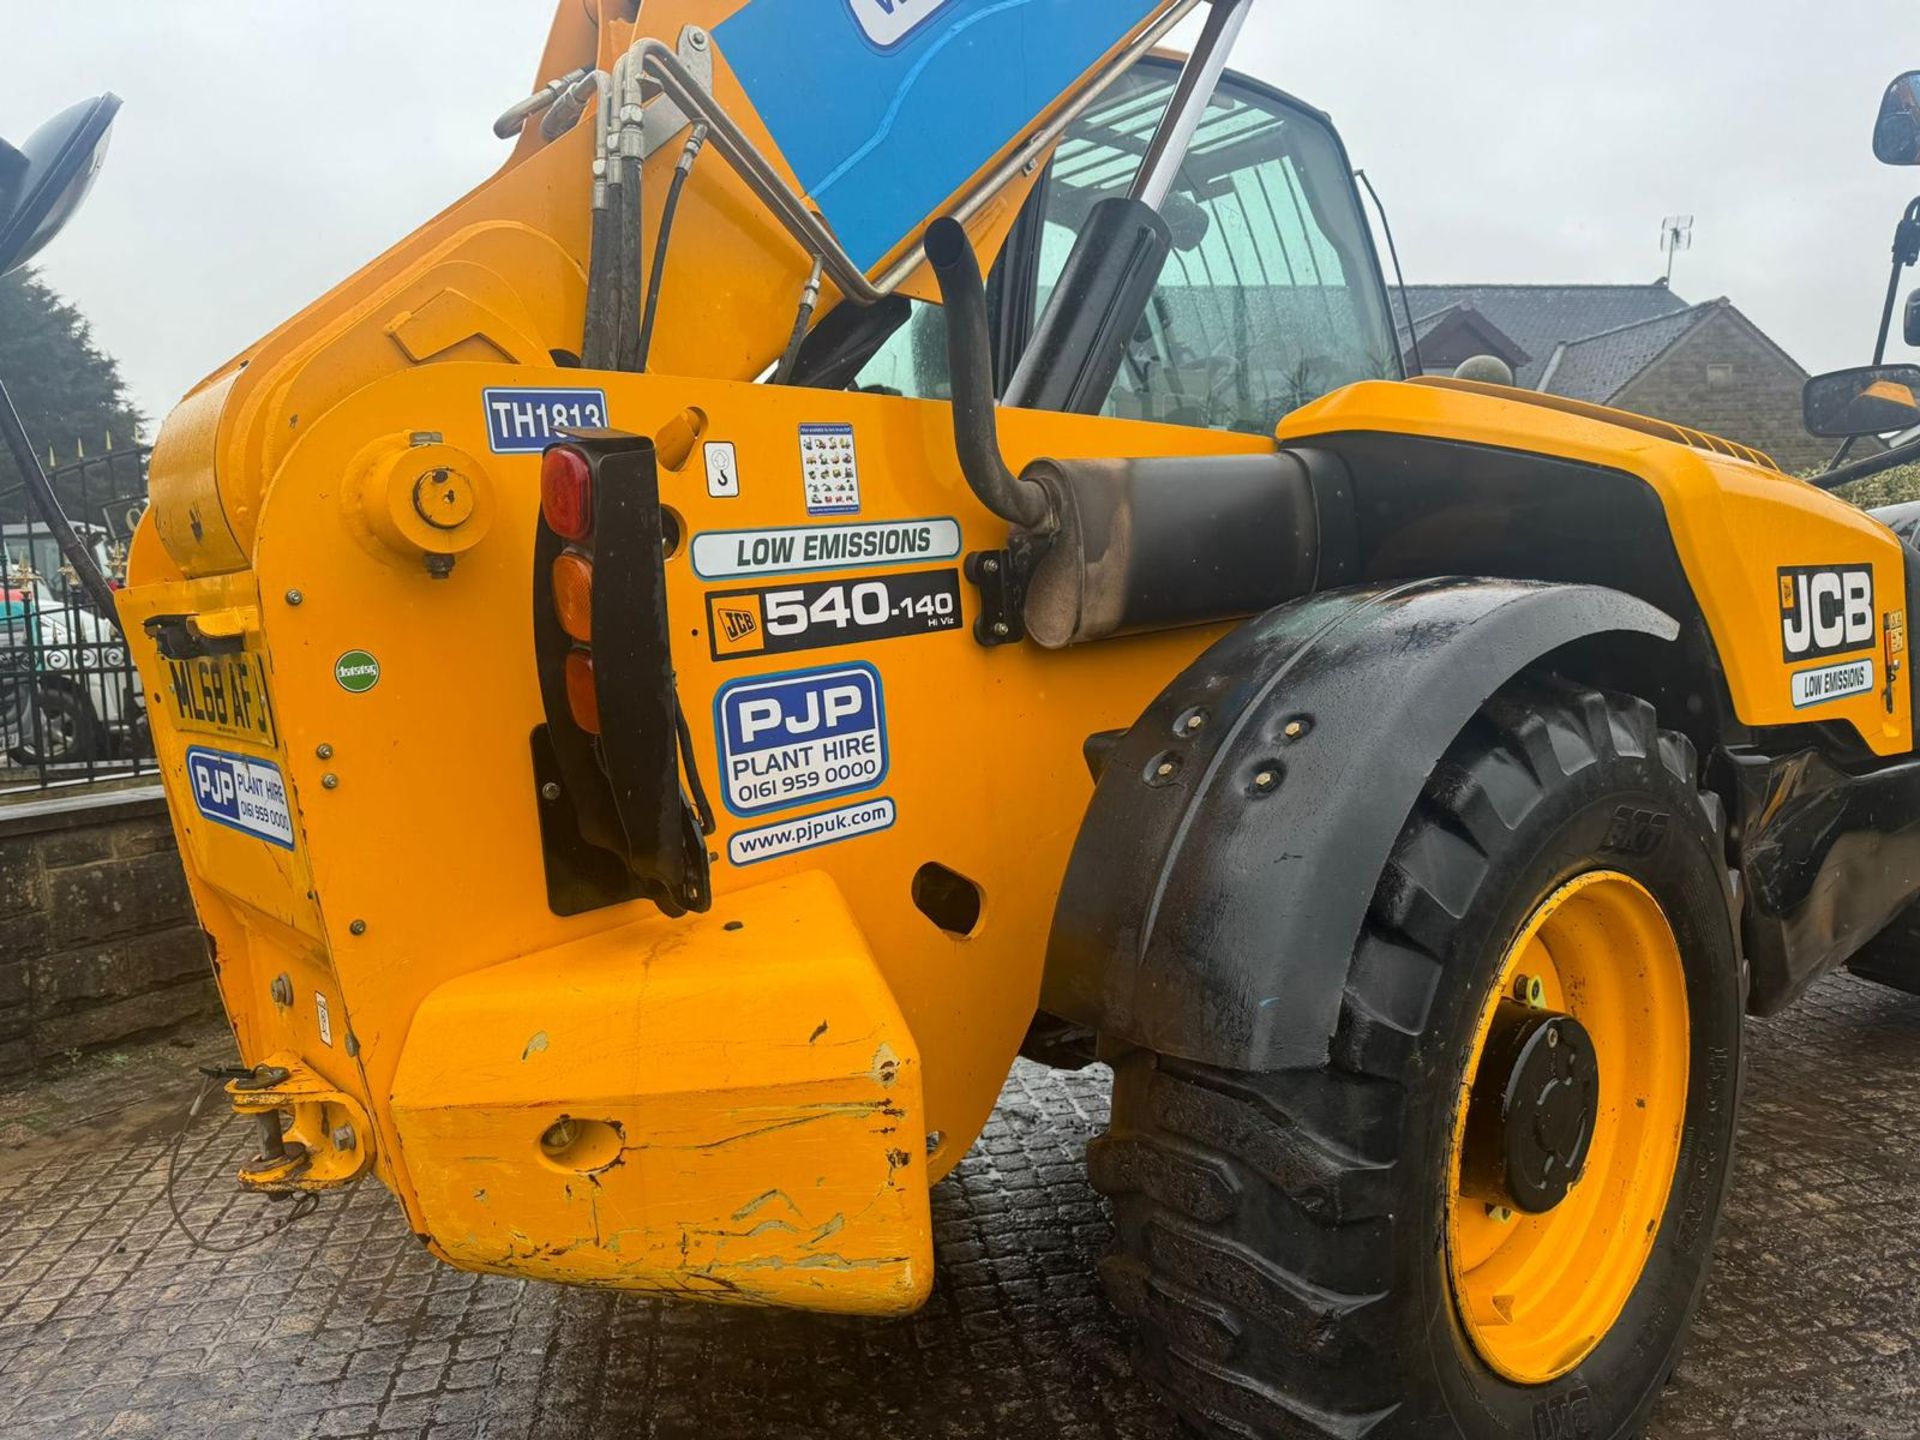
x,y
658,714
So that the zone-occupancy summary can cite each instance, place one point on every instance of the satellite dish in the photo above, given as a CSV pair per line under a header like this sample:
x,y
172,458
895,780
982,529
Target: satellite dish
x,y
44,181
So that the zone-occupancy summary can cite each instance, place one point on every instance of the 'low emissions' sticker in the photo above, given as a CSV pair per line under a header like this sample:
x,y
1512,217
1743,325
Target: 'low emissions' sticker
x,y
242,794
786,740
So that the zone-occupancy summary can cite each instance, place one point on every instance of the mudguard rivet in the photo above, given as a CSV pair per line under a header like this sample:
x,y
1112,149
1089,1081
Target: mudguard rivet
x,y
1295,729
294,597
1166,769
1265,780
358,927
550,792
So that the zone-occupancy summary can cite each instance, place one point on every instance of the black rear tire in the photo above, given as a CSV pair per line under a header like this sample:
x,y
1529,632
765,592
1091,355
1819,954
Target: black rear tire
x,y
1280,1237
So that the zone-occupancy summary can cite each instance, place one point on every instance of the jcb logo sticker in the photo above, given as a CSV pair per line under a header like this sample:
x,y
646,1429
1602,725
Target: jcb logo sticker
x,y
736,626
1826,610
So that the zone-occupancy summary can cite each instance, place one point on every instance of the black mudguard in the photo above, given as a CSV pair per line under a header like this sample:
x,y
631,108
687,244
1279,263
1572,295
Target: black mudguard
x,y
1214,897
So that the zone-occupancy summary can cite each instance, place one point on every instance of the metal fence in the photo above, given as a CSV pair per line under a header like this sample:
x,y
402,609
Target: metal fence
x,y
72,711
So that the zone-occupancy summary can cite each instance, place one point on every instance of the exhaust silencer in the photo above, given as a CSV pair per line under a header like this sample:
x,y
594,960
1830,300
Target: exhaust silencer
x,y
1144,545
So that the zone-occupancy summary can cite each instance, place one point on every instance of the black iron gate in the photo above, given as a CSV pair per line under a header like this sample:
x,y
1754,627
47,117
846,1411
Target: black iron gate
x,y
72,711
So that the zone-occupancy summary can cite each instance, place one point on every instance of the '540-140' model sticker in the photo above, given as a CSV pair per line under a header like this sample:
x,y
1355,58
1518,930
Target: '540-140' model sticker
x,y
787,619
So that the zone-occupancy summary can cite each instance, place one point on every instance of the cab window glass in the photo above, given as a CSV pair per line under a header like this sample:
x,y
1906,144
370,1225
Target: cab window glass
x,y
1270,298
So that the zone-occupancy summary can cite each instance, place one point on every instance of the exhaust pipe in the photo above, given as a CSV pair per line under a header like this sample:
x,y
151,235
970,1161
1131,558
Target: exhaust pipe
x,y
976,432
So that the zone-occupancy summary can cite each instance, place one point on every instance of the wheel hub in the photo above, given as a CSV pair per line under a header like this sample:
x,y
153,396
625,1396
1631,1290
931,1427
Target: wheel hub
x,y
1531,1114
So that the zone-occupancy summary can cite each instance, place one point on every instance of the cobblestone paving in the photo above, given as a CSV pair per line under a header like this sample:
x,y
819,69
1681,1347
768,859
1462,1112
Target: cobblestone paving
x,y
111,1326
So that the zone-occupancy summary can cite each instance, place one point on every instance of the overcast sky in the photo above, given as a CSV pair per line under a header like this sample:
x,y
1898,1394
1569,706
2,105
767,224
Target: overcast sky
x,y
268,147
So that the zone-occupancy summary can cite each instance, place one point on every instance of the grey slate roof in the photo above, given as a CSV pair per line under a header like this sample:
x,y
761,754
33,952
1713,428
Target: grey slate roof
x,y
1541,318
1599,367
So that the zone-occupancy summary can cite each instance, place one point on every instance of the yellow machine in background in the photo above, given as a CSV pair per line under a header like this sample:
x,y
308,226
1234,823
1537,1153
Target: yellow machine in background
x,y
659,713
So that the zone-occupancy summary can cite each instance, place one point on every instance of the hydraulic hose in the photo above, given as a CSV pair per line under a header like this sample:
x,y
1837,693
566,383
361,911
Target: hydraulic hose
x,y
803,317
695,142
628,219
976,430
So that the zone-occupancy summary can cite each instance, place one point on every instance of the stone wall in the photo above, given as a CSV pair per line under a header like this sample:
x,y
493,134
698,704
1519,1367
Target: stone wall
x,y
97,937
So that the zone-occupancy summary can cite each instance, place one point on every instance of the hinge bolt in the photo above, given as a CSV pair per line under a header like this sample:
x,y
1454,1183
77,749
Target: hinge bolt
x,y
343,1137
282,990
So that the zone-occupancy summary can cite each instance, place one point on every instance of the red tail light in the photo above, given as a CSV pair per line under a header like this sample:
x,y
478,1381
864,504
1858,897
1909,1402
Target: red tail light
x,y
573,596
582,698
566,493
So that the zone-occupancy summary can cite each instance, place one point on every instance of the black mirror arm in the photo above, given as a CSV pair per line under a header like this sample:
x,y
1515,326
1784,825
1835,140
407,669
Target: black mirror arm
x,y
1873,465
48,504
1906,253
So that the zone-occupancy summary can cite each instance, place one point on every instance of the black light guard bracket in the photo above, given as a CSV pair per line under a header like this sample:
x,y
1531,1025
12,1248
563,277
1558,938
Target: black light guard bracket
x,y
625,788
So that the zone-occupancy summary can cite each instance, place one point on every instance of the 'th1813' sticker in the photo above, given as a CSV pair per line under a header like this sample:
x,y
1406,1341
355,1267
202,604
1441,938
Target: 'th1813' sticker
x,y
818,616
786,740
526,422
242,794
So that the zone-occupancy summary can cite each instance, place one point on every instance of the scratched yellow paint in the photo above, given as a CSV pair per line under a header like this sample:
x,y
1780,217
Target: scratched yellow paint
x,y
766,1132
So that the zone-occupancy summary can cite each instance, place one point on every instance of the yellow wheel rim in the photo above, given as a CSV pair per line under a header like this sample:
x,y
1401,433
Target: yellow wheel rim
x,y
1537,1293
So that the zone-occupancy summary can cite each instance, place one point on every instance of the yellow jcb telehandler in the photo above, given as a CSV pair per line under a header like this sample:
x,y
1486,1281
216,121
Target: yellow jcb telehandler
x,y
895,534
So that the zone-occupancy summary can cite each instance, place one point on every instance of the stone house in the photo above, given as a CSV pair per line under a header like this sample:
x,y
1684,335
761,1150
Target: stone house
x,y
1633,347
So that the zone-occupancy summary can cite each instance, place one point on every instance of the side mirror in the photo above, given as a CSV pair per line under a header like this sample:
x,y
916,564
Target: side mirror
x,y
1896,138
1872,400
1912,327
44,181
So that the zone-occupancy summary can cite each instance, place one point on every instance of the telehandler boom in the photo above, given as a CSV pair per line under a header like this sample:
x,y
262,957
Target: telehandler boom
x,y
895,534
